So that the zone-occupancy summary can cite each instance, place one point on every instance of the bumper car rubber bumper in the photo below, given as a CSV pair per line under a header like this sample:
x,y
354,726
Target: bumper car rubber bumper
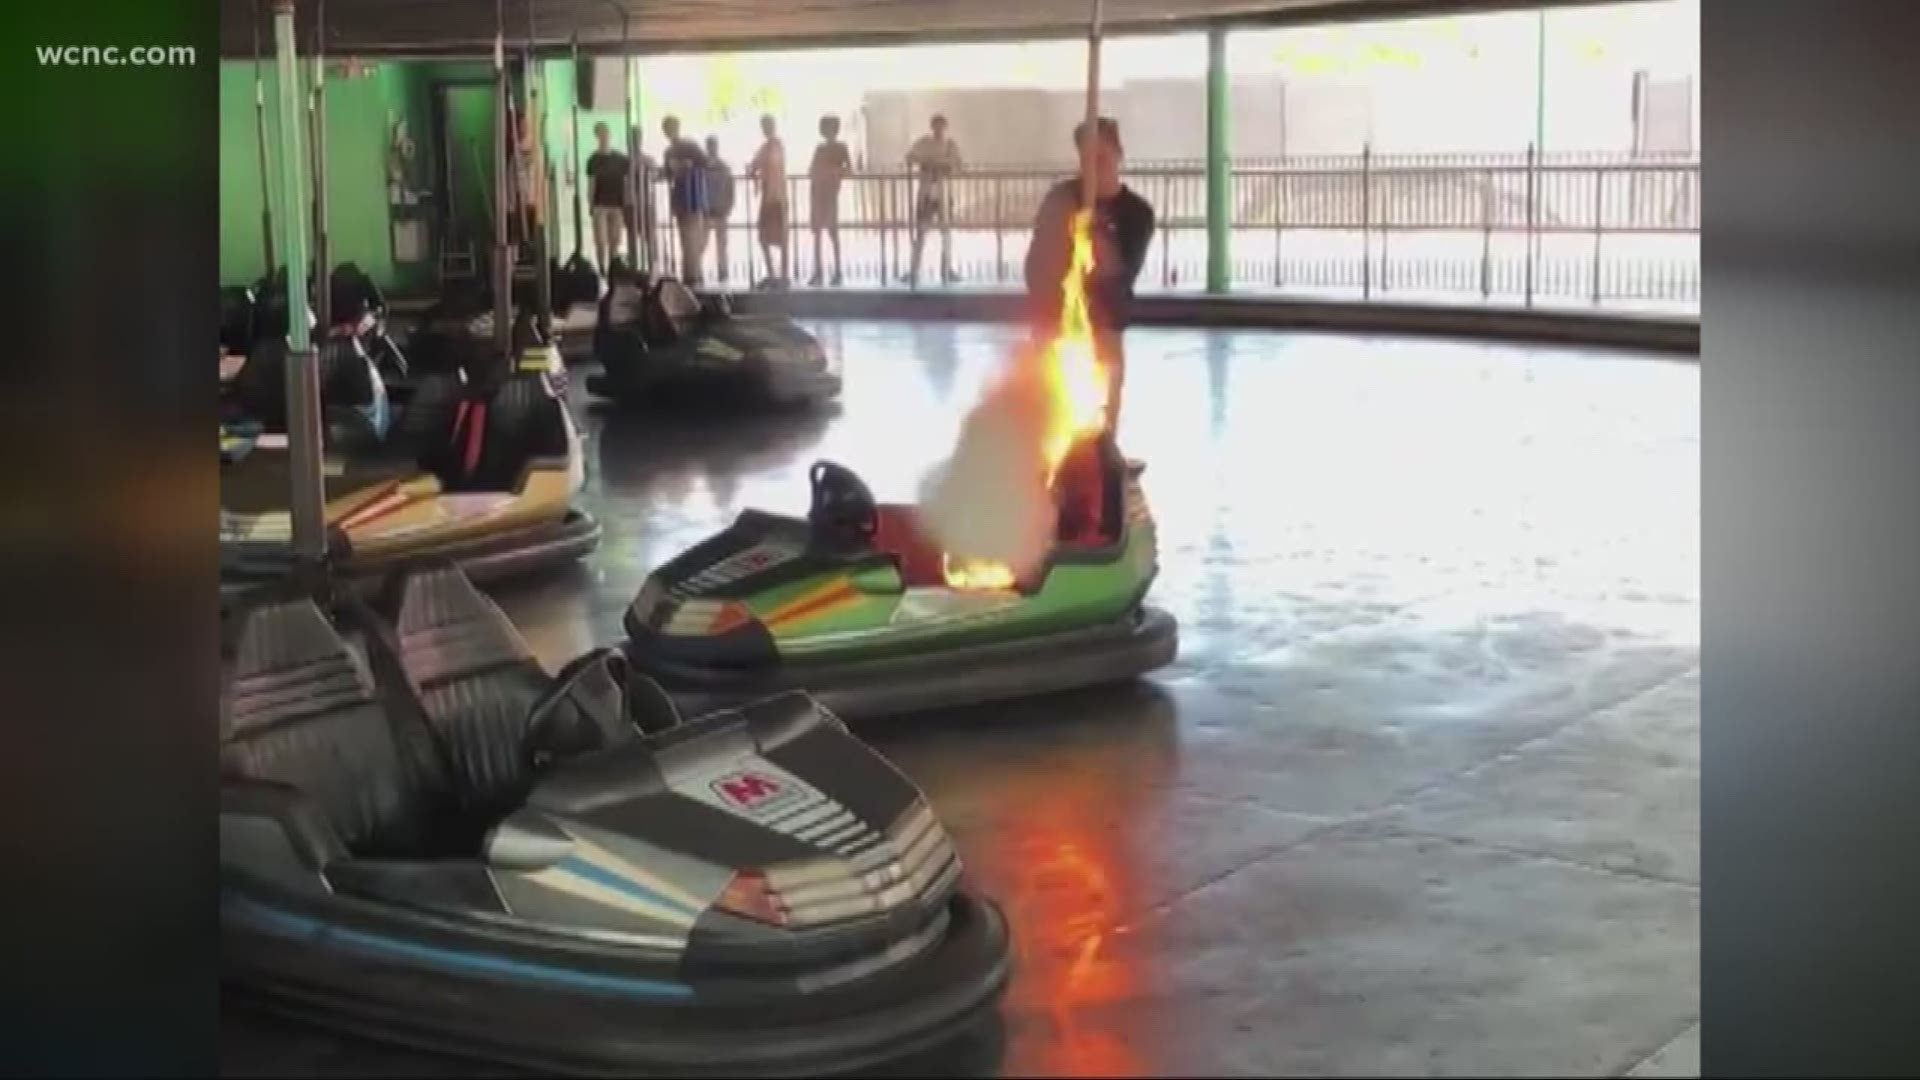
x,y
585,1031
1141,641
491,557
777,385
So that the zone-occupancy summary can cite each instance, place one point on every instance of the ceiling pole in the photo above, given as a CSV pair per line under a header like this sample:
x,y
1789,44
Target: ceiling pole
x,y
503,258
308,509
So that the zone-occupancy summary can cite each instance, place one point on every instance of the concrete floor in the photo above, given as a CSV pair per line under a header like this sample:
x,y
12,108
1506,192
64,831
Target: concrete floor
x,y
1420,795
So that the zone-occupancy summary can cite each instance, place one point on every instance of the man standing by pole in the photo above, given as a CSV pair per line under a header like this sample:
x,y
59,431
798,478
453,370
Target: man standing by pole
x,y
1122,228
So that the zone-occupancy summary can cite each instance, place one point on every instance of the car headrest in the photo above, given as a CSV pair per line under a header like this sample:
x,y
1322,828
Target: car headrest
x,y
678,301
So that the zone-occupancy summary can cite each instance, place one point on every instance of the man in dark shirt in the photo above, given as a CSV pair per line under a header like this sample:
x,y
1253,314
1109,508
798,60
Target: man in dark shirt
x,y
684,167
1123,224
607,197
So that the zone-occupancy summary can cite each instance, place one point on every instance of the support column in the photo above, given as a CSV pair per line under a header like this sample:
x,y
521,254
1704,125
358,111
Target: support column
x,y
307,501
1219,165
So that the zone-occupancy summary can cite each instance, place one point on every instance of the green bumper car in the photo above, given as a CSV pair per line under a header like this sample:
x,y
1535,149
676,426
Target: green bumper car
x,y
854,606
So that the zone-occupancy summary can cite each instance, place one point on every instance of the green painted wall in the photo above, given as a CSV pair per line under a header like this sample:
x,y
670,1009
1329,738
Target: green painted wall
x,y
360,112
241,254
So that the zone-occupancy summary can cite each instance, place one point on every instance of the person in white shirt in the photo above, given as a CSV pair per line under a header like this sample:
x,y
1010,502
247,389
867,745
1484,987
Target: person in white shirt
x,y
936,158
768,170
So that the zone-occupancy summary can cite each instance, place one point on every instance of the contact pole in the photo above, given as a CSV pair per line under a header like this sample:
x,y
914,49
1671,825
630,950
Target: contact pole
x,y
308,505
260,141
573,176
321,239
536,199
1089,188
634,189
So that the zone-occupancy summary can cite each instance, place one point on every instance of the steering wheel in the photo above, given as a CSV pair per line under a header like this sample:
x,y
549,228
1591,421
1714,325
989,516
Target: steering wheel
x,y
842,515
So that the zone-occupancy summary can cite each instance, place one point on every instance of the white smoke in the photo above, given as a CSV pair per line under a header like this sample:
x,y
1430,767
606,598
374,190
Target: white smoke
x,y
989,500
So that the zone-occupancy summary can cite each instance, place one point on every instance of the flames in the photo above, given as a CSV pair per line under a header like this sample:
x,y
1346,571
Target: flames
x,y
1074,387
1076,380
983,575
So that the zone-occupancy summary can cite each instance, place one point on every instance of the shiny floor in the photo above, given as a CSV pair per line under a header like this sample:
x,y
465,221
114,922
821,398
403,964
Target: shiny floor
x,y
1420,795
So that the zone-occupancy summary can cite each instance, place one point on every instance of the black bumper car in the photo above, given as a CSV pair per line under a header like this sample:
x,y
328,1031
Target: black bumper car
x,y
255,317
426,840
657,338
360,308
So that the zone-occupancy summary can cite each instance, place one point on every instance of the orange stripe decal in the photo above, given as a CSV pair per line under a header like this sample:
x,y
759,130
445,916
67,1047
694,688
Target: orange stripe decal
x,y
373,511
375,495
832,594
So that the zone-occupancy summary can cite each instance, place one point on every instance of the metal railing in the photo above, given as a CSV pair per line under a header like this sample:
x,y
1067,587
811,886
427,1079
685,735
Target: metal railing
x,y
1548,229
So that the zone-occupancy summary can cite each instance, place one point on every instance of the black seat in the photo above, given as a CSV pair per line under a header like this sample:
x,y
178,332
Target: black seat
x,y
354,295
624,304
497,433
349,380
424,427
303,711
476,681
619,337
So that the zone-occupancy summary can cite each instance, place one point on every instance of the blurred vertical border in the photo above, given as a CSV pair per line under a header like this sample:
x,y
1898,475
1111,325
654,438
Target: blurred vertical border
x,y
1810,517
108,192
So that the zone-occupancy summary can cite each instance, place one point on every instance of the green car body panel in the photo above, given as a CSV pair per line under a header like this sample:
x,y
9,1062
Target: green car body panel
x,y
820,611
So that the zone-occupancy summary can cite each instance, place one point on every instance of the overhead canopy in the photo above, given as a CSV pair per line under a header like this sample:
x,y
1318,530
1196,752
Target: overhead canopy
x,y
466,27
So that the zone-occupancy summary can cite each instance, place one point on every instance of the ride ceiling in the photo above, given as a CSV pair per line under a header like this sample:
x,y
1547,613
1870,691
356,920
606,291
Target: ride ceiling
x,y
467,27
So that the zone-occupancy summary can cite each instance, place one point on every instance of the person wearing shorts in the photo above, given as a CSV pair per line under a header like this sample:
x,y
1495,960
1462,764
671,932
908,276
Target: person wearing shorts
x,y
936,158
684,168
768,171
831,165
719,205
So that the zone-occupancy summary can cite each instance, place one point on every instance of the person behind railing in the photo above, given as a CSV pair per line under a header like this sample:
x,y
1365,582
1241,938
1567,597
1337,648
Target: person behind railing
x,y
768,170
607,197
832,163
1123,224
684,166
936,157
719,204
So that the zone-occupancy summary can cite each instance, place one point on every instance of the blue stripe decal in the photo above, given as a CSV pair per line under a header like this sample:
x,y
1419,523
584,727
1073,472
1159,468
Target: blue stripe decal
x,y
455,959
600,875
